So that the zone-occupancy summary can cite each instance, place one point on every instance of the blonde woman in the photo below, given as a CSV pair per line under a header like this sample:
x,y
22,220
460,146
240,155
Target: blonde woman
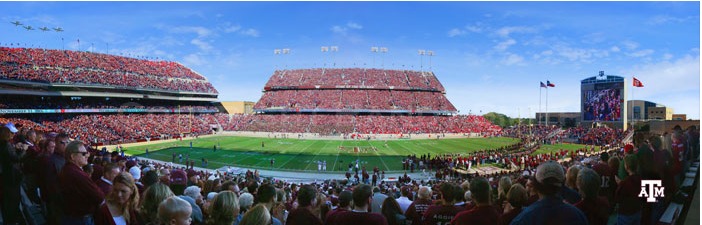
x,y
120,206
224,209
257,215
153,196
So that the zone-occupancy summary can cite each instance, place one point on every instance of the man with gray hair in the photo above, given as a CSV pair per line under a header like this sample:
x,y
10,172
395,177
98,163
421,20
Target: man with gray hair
x,y
415,212
192,195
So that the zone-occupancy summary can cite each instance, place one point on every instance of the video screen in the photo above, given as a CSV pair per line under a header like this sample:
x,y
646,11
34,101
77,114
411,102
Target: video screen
x,y
602,104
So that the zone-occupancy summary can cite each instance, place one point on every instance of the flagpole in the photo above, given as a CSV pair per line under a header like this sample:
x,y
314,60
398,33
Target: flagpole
x,y
546,104
540,102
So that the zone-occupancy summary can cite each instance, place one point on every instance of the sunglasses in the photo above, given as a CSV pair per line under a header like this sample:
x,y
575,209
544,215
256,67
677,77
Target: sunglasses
x,y
83,153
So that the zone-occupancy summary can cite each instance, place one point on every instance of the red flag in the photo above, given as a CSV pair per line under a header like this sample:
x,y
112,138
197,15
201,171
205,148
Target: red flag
x,y
548,83
637,83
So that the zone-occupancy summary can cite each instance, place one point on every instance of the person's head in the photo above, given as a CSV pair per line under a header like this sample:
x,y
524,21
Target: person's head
x,y
549,178
345,198
531,186
194,192
124,193
258,215
390,208
61,143
224,208
480,190
245,201
150,177
447,193
588,182
111,170
405,191
503,186
517,195
174,211
424,193
77,154
153,196
604,157
48,146
228,186
613,162
362,196
571,175
306,196
656,142
266,194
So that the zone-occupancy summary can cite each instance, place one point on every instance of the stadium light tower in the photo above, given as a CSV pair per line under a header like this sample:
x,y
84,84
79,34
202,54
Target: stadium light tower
x,y
374,50
331,50
283,51
421,53
430,53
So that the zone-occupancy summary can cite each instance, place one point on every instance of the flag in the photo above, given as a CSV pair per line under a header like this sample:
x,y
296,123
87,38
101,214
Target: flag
x,y
542,84
637,83
548,83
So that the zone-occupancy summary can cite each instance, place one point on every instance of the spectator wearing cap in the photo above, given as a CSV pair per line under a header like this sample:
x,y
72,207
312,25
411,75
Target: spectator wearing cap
x,y
306,199
135,171
192,195
627,193
245,202
378,199
178,180
595,207
81,196
360,214
11,175
415,212
267,197
483,212
403,201
550,209
345,198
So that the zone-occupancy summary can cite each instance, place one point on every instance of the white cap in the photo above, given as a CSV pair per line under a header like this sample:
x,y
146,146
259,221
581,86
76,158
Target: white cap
x,y
136,172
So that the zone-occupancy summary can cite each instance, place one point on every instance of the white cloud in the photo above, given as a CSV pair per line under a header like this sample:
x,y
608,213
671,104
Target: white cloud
x,y
631,45
204,46
353,25
456,32
614,49
641,53
669,82
667,56
343,30
474,29
663,19
232,29
339,30
502,46
250,32
200,31
506,31
513,59
193,60
580,54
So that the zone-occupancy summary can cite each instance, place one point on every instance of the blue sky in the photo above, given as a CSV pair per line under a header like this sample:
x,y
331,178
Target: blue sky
x,y
490,56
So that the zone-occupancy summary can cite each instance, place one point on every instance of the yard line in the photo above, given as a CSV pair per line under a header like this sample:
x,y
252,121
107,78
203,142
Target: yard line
x,y
295,156
381,158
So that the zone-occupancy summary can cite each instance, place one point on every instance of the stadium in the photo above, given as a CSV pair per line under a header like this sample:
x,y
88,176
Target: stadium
x,y
90,137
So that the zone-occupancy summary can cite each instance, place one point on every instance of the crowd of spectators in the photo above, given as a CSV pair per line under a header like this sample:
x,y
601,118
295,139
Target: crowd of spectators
x,y
377,78
75,67
80,185
354,99
30,102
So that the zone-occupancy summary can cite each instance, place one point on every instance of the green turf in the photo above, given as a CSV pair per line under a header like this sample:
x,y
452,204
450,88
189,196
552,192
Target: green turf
x,y
558,147
294,154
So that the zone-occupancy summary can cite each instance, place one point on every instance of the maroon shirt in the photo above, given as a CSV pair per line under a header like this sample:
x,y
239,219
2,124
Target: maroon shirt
x,y
608,183
415,212
596,210
479,215
104,186
360,218
627,195
441,214
80,195
302,216
331,217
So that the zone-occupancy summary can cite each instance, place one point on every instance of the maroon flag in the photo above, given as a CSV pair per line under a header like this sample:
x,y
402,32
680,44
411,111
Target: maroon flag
x,y
637,83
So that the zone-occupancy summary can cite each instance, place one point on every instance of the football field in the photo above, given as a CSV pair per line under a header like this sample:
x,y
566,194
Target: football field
x,y
303,155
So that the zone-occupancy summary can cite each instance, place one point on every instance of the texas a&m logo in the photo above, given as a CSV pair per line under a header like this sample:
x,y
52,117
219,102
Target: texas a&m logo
x,y
654,190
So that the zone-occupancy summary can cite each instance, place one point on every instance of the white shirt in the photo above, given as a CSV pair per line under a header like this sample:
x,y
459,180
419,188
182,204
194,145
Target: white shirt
x,y
404,203
119,220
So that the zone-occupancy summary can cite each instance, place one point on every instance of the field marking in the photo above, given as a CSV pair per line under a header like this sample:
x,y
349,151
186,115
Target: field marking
x,y
381,158
295,155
